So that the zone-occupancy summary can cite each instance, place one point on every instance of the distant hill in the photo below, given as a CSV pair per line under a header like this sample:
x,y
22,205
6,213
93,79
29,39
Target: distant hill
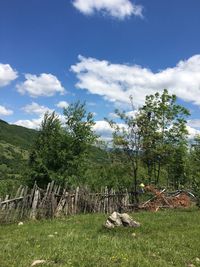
x,y
16,135
15,142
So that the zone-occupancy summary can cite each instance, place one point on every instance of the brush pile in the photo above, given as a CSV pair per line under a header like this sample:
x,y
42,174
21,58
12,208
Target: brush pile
x,y
161,199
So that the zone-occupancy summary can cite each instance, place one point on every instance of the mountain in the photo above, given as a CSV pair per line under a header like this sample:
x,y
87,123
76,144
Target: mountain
x,y
16,135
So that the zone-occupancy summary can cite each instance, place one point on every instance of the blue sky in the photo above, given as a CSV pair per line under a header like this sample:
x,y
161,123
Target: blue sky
x,y
100,51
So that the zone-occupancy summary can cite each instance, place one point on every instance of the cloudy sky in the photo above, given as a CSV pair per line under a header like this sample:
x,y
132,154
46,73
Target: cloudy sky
x,y
53,53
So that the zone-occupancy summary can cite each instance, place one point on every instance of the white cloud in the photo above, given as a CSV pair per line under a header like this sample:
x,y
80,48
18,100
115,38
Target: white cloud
x,y
35,123
7,74
113,115
103,129
116,82
132,113
114,8
62,104
194,123
35,108
5,112
32,124
192,132
42,85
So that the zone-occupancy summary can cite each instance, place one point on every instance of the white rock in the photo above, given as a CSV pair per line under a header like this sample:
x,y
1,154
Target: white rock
x,y
197,259
37,262
20,223
115,218
50,236
128,221
133,234
109,225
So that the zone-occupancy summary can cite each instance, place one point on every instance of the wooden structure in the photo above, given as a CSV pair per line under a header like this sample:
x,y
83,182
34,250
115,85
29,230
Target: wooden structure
x,y
54,201
37,203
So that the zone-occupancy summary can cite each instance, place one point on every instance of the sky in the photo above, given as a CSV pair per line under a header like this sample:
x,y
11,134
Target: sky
x,y
53,53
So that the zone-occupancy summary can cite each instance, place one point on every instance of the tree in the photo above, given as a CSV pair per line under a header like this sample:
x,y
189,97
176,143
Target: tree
x,y
79,136
127,138
156,135
46,155
163,130
194,165
60,152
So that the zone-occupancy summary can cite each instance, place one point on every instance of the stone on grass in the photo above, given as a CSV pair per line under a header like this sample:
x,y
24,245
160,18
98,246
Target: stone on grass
x,y
37,262
20,223
109,224
197,259
50,236
128,221
117,219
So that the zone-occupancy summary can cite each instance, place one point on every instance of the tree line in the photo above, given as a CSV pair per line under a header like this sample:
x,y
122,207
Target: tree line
x,y
150,146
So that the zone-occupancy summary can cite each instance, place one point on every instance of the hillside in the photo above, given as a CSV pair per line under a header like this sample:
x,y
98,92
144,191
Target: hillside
x,y
15,142
16,135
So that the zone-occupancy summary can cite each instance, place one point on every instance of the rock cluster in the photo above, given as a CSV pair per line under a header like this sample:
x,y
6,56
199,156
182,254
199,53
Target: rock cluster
x,y
117,219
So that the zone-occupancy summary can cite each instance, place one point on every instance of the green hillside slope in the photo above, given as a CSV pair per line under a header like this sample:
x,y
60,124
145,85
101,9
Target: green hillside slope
x,y
15,142
16,135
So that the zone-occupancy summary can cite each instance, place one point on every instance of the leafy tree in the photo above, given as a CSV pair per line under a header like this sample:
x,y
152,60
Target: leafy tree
x,y
112,171
127,137
163,130
176,166
46,155
194,167
157,135
80,137
60,152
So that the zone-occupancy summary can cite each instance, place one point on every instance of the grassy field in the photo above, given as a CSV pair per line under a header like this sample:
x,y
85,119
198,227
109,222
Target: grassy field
x,y
167,238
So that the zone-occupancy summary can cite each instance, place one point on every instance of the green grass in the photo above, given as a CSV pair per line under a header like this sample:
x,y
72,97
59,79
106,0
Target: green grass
x,y
167,238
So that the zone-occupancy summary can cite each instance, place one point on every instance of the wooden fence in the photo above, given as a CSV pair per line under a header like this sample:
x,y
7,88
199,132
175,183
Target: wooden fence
x,y
53,202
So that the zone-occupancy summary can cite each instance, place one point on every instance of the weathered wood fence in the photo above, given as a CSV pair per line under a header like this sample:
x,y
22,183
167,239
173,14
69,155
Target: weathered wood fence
x,y
37,203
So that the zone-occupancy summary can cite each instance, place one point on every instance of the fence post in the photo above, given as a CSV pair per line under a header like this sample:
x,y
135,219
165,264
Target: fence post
x,y
34,204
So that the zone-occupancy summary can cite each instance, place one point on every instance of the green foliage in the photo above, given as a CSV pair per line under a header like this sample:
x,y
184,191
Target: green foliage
x,y
194,168
45,155
127,138
157,137
152,147
60,153
80,137
9,185
112,170
14,144
13,162
164,136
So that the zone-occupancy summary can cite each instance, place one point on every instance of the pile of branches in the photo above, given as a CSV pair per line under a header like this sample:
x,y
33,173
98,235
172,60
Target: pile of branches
x,y
162,199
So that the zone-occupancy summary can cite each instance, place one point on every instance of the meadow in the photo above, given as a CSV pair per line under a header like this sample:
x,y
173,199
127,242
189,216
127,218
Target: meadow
x,y
165,238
